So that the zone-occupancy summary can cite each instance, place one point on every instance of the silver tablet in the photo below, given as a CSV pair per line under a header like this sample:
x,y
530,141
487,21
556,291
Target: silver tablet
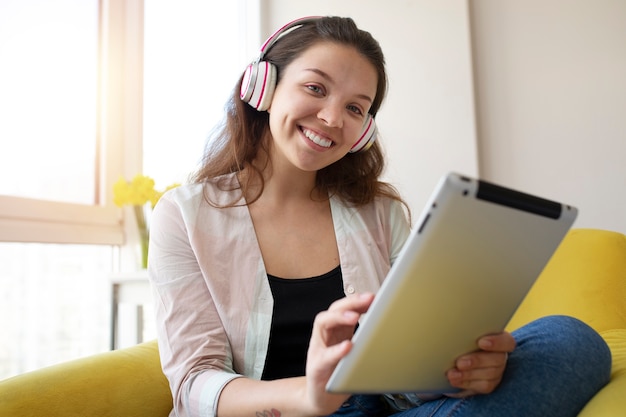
x,y
475,253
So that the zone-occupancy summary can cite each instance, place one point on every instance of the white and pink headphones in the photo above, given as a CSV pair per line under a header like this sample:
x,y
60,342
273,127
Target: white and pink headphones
x,y
259,82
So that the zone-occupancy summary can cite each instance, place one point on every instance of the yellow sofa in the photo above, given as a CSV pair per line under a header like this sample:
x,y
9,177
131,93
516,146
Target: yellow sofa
x,y
586,279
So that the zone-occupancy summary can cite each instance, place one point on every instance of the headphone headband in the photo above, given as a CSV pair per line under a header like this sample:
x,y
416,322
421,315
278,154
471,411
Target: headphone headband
x,y
281,31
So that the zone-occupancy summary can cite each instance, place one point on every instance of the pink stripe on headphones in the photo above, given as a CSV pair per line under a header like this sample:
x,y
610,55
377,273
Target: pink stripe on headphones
x,y
368,136
261,93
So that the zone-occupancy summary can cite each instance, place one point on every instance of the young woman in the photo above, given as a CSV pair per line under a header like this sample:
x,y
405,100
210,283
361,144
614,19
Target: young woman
x,y
263,265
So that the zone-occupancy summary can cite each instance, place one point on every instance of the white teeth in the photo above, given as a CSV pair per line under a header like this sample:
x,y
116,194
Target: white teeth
x,y
320,141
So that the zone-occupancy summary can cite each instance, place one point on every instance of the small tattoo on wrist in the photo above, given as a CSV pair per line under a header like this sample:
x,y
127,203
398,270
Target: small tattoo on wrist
x,y
268,413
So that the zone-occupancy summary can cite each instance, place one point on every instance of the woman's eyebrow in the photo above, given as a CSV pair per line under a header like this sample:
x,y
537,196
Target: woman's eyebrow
x,y
329,78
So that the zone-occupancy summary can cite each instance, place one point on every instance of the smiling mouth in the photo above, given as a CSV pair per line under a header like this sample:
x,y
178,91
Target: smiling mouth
x,y
313,137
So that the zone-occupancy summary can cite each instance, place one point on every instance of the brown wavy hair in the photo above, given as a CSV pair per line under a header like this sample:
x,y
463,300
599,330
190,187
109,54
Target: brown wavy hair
x,y
236,142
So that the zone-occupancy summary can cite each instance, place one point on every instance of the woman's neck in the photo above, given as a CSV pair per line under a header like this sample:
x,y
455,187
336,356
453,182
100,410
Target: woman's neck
x,y
283,181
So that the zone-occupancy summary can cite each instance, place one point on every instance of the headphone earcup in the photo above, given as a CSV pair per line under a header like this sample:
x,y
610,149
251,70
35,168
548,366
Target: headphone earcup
x,y
257,85
367,137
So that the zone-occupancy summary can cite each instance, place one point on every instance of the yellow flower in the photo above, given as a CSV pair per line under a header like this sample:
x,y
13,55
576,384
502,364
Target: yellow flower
x,y
137,192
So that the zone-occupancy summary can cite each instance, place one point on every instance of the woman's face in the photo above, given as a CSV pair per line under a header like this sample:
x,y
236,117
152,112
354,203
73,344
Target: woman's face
x,y
320,105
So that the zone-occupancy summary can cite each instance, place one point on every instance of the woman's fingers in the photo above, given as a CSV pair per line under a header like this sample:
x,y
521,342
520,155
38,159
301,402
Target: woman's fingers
x,y
481,372
338,322
332,332
499,342
331,341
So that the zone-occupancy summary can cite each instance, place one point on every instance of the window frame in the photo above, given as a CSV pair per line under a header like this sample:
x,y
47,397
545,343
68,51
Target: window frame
x,y
118,140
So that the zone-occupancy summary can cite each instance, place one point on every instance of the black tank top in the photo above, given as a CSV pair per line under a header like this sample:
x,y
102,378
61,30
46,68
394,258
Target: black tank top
x,y
296,303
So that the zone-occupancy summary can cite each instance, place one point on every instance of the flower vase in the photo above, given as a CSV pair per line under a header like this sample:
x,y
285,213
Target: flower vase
x,y
144,238
144,234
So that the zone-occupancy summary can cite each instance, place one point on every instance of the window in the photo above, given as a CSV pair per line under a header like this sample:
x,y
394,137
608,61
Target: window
x,y
53,304
67,94
193,58
65,98
48,103
80,115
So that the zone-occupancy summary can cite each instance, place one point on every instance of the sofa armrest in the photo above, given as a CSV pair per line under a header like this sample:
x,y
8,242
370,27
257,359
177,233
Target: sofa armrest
x,y
586,279
125,382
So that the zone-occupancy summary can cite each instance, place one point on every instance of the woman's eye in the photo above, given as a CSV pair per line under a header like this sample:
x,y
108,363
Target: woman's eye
x,y
316,89
355,109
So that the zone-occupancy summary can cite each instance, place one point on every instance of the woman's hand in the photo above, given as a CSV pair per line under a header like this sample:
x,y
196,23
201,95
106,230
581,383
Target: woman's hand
x,y
480,372
330,341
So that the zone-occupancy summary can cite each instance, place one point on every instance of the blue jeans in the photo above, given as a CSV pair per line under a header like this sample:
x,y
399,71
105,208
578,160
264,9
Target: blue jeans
x,y
559,364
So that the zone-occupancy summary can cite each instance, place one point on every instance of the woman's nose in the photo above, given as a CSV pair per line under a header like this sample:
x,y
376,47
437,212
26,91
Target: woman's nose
x,y
332,115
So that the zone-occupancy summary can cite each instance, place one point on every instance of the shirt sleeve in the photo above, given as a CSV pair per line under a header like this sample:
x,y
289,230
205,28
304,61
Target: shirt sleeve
x,y
195,354
400,229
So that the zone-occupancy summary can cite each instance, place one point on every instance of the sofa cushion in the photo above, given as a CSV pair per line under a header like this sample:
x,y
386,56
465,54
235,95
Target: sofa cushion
x,y
586,279
125,382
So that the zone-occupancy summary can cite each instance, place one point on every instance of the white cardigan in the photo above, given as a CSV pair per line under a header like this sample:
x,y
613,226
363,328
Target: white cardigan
x,y
212,297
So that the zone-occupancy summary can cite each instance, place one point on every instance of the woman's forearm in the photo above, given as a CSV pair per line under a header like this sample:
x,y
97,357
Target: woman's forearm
x,y
243,397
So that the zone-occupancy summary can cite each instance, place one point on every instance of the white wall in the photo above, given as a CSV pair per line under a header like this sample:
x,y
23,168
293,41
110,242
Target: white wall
x,y
551,101
534,98
427,121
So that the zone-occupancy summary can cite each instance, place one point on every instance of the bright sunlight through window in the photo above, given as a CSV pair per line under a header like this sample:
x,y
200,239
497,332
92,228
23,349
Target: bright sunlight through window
x,y
48,98
56,301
